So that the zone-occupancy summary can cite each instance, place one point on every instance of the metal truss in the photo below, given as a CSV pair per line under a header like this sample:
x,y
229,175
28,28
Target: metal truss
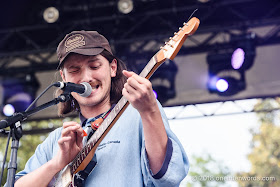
x,y
224,108
193,111
140,33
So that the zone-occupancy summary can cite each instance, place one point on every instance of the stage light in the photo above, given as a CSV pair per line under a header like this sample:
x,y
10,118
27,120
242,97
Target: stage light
x,y
222,85
8,110
226,86
237,58
18,93
51,15
125,6
163,81
203,1
244,51
155,93
227,67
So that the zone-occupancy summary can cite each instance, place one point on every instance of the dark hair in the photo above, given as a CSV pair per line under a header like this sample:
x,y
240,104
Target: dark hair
x,y
117,84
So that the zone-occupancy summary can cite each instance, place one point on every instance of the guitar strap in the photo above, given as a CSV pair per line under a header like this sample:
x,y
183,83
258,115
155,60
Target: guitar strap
x,y
92,124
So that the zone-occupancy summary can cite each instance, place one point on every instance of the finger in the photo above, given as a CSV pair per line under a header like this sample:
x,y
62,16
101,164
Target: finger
x,y
130,89
80,135
62,142
128,73
67,131
126,94
70,123
131,81
139,79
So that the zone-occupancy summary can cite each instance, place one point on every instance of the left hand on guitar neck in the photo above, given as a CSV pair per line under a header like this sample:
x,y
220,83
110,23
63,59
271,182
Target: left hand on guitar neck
x,y
139,92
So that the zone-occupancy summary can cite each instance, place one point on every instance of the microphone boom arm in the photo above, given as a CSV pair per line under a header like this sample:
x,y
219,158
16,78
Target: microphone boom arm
x,y
22,116
16,130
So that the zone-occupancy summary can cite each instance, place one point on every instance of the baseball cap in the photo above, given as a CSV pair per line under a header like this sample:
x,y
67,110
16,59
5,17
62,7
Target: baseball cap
x,y
82,42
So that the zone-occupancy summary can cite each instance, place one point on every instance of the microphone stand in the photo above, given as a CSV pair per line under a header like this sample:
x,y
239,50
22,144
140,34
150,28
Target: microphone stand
x,y
16,131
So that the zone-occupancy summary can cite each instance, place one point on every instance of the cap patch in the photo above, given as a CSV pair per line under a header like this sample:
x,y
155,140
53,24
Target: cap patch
x,y
74,41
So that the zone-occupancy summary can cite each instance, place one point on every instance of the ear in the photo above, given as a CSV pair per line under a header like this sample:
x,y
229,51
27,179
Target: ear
x,y
114,67
62,75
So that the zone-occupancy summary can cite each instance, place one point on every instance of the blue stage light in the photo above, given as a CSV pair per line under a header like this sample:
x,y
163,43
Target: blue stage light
x,y
18,93
155,93
8,110
227,66
222,85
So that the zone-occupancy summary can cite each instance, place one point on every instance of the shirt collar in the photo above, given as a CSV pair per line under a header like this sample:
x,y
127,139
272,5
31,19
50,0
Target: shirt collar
x,y
84,120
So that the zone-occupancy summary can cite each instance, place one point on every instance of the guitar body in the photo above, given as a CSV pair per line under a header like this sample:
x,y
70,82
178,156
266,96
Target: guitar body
x,y
63,178
75,174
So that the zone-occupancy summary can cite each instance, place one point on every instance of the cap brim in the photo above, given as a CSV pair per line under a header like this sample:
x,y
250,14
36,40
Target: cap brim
x,y
82,51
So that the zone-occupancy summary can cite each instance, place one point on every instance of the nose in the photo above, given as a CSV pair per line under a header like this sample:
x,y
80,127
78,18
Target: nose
x,y
87,75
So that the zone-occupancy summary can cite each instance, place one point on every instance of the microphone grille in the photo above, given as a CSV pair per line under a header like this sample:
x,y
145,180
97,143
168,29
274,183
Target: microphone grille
x,y
88,89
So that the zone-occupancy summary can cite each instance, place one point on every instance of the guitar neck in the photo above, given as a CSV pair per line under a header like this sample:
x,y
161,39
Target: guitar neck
x,y
87,153
152,65
169,51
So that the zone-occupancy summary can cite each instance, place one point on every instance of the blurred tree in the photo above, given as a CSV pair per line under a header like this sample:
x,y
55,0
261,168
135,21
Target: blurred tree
x,y
28,143
265,155
207,172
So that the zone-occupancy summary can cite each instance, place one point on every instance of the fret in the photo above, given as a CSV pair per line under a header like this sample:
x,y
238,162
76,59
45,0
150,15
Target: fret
x,y
102,127
97,134
74,167
79,161
114,111
124,101
84,154
89,147
95,139
148,67
108,118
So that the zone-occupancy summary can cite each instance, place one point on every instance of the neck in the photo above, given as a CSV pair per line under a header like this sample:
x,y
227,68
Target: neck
x,y
92,111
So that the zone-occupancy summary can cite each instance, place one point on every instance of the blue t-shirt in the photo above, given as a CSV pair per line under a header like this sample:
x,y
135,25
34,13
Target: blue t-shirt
x,y
121,156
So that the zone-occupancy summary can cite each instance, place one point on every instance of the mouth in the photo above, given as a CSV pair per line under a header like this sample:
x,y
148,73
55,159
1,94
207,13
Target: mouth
x,y
94,86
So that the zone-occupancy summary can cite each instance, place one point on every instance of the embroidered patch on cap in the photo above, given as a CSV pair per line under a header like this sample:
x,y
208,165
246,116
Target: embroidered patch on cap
x,y
74,41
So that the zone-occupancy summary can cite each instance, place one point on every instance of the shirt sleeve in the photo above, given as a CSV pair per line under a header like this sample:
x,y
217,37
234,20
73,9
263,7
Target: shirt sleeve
x,y
43,153
175,166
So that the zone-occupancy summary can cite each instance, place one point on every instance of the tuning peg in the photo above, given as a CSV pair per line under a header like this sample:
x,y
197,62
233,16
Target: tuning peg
x,y
162,48
167,43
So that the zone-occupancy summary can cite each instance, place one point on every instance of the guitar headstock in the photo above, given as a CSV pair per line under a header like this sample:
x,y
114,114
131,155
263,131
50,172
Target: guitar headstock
x,y
172,47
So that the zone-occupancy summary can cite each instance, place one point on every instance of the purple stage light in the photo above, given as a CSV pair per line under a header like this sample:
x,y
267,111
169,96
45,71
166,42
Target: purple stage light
x,y
237,58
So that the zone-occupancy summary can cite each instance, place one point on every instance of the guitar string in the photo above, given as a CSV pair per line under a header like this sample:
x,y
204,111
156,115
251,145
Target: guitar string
x,y
79,156
148,68
102,128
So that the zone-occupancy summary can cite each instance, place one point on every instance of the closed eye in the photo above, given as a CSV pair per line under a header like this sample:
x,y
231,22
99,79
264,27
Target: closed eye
x,y
73,70
94,67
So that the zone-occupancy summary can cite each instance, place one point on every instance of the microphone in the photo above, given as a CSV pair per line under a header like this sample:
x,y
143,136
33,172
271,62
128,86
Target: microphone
x,y
84,89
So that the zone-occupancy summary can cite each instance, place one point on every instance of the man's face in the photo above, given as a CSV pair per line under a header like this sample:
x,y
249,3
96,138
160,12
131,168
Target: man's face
x,y
97,71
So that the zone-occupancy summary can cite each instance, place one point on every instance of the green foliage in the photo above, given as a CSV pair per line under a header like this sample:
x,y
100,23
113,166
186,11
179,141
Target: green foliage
x,y
28,143
265,155
205,171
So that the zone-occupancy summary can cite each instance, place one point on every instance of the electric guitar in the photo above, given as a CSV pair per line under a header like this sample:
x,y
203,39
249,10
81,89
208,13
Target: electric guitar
x,y
73,174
